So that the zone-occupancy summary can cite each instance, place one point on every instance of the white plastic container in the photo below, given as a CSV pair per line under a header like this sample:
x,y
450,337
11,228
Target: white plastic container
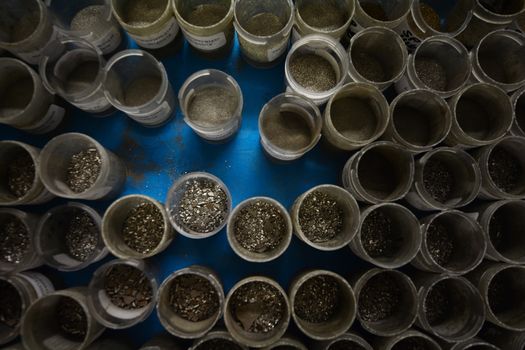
x,y
312,17
395,12
518,101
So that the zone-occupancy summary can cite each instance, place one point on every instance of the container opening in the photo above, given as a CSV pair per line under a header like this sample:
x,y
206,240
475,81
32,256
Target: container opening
x,y
506,166
16,89
17,173
19,19
140,13
520,112
81,16
503,7
76,71
385,10
11,308
263,17
506,231
325,15
505,296
203,13
316,70
502,58
445,17
346,344
415,342
211,105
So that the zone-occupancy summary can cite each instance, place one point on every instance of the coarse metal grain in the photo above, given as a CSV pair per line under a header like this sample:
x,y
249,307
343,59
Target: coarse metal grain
x,y
325,15
206,15
264,24
379,236
89,20
318,299
71,319
212,106
10,305
141,13
321,218
380,298
437,304
431,73
193,298
127,287
14,240
143,229
81,236
83,170
438,180
369,66
218,344
313,72
288,130
20,175
440,243
504,169
345,345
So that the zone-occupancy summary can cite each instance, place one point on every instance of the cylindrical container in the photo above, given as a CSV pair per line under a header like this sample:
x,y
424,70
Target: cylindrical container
x,y
111,344
346,340
289,126
378,13
218,337
21,178
263,28
18,292
518,101
326,217
331,320
378,56
256,312
26,104
453,243
17,248
446,178
419,120
267,242
113,302
450,307
150,23
316,67
505,339
137,84
207,25
482,114
389,236
68,237
192,211
76,75
381,172
499,59
355,116
76,166
387,302
473,344
440,64
161,342
190,319
212,104
88,19
323,17
286,342
411,339
130,221
62,318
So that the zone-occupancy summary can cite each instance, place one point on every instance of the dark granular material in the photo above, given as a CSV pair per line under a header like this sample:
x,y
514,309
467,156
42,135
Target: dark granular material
x,y
437,304
497,230
318,299
379,298
193,298
206,14
414,343
83,170
264,24
430,16
81,236
431,73
375,10
379,236
321,217
127,287
20,175
10,305
260,227
325,15
313,72
218,344
369,67
439,243
346,345
143,229
258,307
72,319
504,169
500,296
438,180
14,240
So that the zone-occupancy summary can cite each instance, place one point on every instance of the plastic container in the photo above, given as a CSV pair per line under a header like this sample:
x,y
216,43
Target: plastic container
x,y
407,228
467,242
346,203
55,160
110,344
452,164
175,324
473,344
279,136
419,120
91,20
253,256
207,25
28,259
347,338
326,49
519,23
393,13
482,115
257,340
176,194
152,26
379,173
212,104
399,342
29,286
378,56
313,17
26,104
466,311
138,85
161,342
216,334
77,75
405,312
518,101
505,339
440,64
114,219
262,42
105,311
51,237
287,342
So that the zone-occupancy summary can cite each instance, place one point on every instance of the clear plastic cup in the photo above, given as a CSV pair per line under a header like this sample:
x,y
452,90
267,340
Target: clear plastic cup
x,y
419,120
407,230
505,339
379,13
113,222
519,23
51,235
518,101
215,334
41,329
379,173
482,114
347,338
263,28
378,56
212,104
174,323
26,104
36,194
55,160
111,315
473,344
440,64
138,85
459,166
398,342
287,342
162,342
320,48
330,18
289,126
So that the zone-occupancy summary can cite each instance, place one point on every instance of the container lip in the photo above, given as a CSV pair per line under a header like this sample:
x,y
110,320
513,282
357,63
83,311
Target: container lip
x,y
287,341
284,32
466,345
23,218
499,15
516,97
350,336
78,33
25,302
411,333
224,20
419,20
148,25
216,333
370,18
43,15
34,78
351,14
